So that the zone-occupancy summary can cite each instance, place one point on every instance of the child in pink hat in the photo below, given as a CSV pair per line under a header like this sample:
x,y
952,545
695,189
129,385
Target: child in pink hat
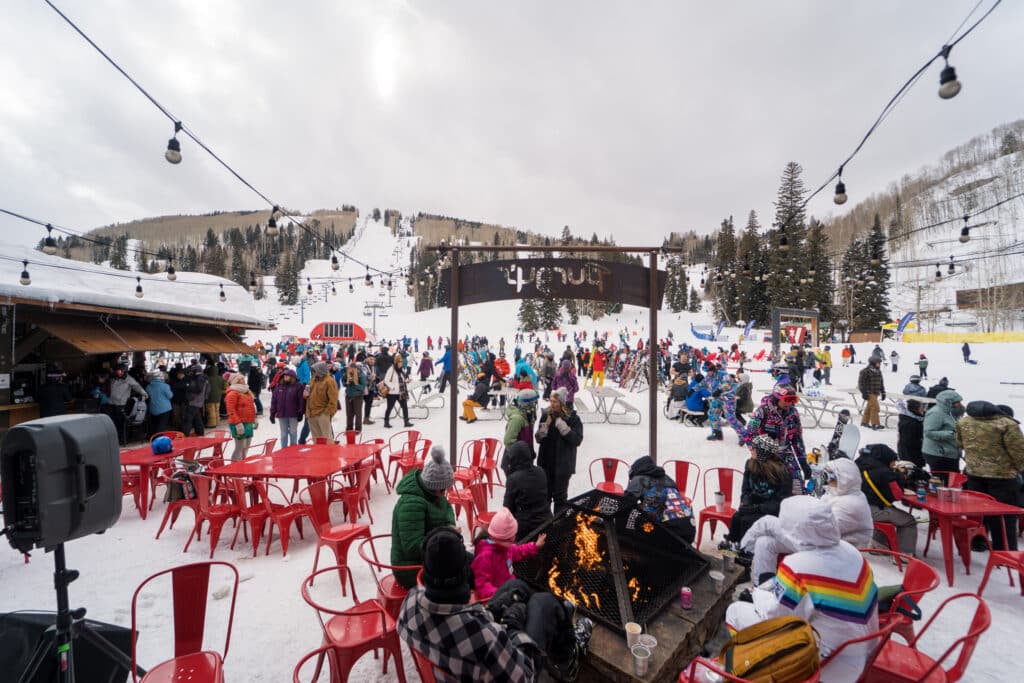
x,y
496,550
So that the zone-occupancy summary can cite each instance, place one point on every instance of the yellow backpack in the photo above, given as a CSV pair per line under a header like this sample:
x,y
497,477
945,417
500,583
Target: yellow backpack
x,y
780,650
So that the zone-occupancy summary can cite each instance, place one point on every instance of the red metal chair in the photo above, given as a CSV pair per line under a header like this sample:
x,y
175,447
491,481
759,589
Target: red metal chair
x,y
918,580
899,662
351,633
131,484
461,499
252,514
281,515
470,457
888,530
354,493
1011,559
424,667
390,593
400,445
479,491
214,514
378,462
954,480
609,469
174,507
337,537
414,458
493,449
349,437
321,653
727,480
685,474
259,450
321,440
189,589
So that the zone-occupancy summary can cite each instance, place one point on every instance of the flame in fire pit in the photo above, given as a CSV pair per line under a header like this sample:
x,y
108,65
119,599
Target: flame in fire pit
x,y
587,557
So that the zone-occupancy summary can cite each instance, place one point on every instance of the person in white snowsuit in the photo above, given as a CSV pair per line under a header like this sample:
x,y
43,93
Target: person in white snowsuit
x,y
849,506
827,582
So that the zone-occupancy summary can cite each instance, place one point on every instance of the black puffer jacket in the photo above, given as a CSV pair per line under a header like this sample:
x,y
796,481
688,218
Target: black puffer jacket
x,y
882,485
526,490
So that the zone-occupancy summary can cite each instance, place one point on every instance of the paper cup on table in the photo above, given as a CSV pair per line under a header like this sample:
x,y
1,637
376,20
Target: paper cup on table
x,y
641,659
648,641
717,579
728,562
945,495
954,495
633,632
719,501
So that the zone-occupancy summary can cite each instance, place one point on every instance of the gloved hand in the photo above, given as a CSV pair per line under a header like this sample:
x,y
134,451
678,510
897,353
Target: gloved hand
x,y
562,426
509,593
272,419
514,617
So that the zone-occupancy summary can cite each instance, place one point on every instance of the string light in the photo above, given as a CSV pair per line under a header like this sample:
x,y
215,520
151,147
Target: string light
x,y
26,279
223,296
389,284
840,196
334,262
949,86
952,268
138,287
309,287
369,280
812,271
746,268
876,261
171,275
252,282
49,244
965,232
938,273
351,289
173,153
272,227
334,292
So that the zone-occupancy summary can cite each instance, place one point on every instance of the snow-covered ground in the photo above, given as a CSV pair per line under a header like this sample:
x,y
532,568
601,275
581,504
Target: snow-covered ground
x,y
273,626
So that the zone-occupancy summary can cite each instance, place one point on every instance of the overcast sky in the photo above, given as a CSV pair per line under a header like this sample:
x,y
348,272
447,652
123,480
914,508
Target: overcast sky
x,y
627,118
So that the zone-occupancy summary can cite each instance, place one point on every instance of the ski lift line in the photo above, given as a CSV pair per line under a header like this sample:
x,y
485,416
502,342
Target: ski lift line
x,y
179,125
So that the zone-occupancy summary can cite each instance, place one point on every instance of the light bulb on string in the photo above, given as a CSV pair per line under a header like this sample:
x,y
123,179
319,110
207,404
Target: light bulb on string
x,y
783,243
334,262
351,289
965,232
49,244
840,196
252,282
138,287
369,279
25,279
949,86
389,284
702,283
223,297
309,287
952,267
173,153
938,273
334,292
272,223
746,269
876,261
171,274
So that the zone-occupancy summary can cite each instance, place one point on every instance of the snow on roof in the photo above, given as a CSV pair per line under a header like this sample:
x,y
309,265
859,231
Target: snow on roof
x,y
57,280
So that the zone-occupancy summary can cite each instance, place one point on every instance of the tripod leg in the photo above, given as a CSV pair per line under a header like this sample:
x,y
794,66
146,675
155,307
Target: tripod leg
x,y
109,650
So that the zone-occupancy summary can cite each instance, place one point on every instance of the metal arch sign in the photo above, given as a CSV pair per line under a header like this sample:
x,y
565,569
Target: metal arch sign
x,y
540,278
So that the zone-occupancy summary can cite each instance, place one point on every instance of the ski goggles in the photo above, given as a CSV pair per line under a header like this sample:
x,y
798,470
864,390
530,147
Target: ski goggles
x,y
789,400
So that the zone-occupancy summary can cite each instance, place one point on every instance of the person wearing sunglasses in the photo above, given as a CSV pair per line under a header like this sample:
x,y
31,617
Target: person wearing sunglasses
x,y
778,417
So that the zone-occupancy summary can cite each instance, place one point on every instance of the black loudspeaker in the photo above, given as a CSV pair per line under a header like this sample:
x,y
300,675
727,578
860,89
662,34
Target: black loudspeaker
x,y
61,480
22,634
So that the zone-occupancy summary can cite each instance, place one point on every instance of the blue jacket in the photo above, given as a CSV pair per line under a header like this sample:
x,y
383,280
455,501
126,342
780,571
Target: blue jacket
x,y
521,364
159,397
695,401
446,361
302,371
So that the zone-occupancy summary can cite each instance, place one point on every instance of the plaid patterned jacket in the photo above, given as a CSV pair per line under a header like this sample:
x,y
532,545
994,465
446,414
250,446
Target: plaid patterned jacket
x,y
465,641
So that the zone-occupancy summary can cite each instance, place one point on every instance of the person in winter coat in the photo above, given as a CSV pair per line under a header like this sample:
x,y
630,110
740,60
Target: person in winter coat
x,y
696,400
598,360
922,366
658,497
884,485
399,393
849,507
179,387
937,388
677,397
54,395
825,360
420,508
354,382
744,396
845,355
368,365
197,391
526,490
322,403
504,372
565,378
478,399
445,362
160,396
519,419
257,382
994,452
911,433
426,369
778,417
894,360
966,351
940,448
287,406
215,395
303,370
241,414
766,482
524,364
871,385
496,550
559,434
826,582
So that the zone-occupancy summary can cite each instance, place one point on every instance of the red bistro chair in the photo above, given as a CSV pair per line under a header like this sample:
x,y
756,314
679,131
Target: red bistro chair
x,y
378,462
214,514
686,475
899,662
174,507
400,445
252,516
281,515
351,633
1011,559
918,580
954,480
461,499
390,593
479,491
493,449
321,653
321,440
337,537
609,469
189,589
470,458
888,530
259,450
727,480
355,494
349,437
414,458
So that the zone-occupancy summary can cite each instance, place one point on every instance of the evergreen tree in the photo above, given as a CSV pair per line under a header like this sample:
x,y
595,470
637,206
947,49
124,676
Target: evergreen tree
x,y
675,285
239,271
725,303
753,301
819,289
694,300
214,261
876,298
852,292
287,281
119,253
572,309
783,284
528,317
549,309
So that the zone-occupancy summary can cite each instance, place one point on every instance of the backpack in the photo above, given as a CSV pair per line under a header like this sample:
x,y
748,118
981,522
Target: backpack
x,y
780,650
664,503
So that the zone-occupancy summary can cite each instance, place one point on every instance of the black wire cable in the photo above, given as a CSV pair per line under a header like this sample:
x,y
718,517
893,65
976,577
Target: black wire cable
x,y
195,138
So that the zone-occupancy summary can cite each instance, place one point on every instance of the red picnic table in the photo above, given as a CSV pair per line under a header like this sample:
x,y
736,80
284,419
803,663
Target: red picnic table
x,y
310,461
968,506
143,458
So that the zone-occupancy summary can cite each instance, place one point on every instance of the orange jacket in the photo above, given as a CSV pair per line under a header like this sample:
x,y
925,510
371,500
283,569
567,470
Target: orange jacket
x,y
240,405
503,368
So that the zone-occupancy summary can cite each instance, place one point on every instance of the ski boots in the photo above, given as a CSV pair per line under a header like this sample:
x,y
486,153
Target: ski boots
x,y
716,435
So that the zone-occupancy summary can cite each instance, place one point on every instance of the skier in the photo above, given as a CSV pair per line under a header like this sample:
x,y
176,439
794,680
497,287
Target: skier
x,y
894,359
922,367
966,350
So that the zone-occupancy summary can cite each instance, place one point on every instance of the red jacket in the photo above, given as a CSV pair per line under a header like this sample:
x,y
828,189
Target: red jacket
x,y
240,405
597,362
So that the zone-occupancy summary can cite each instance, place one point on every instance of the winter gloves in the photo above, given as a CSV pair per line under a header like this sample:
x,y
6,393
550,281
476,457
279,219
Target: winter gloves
x,y
562,426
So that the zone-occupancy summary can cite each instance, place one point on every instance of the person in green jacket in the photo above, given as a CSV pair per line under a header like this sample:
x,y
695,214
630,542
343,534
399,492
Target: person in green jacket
x,y
217,386
939,446
421,507
520,416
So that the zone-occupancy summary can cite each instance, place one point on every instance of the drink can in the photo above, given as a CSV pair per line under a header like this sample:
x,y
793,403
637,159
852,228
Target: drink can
x,y
922,494
933,486
686,597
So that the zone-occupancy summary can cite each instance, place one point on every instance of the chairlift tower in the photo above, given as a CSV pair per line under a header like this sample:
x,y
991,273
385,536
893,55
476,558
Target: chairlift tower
x,y
371,308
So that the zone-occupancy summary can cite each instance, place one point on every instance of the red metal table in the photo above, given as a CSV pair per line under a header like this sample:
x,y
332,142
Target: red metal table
x,y
311,461
143,458
968,506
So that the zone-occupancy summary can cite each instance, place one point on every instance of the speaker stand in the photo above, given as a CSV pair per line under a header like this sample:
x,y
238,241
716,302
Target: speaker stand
x,y
70,626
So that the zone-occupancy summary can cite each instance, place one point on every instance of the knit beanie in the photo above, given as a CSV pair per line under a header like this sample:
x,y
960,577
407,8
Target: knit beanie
x,y
765,447
320,369
503,526
437,473
915,379
447,576
526,397
562,394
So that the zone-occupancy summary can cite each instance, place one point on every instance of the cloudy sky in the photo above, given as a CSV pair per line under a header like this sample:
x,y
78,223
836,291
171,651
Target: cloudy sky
x,y
624,118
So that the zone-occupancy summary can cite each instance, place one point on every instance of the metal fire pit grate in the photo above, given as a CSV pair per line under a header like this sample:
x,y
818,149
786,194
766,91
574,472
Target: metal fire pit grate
x,y
616,567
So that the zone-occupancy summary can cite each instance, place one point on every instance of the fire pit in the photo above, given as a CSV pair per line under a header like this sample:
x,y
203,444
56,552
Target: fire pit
x,y
616,565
